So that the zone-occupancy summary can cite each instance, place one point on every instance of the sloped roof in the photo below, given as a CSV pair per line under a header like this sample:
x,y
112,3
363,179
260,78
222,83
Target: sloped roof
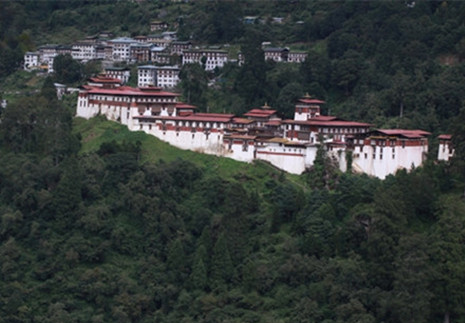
x,y
404,133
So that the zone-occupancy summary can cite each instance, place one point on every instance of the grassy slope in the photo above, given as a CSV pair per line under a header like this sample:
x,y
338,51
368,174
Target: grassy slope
x,y
98,130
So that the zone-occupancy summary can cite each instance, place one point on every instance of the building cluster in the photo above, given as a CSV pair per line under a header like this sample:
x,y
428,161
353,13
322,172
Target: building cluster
x,y
162,49
290,145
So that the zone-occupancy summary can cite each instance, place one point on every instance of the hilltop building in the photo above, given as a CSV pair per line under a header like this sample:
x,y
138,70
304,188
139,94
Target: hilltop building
x,y
290,145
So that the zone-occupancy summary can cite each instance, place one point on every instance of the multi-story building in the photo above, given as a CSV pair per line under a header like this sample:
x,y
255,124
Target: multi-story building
x,y
296,57
158,40
31,60
140,52
121,73
121,48
64,50
160,76
141,39
213,58
146,75
84,51
276,54
178,47
167,76
290,145
156,25
384,151
446,149
160,55
47,55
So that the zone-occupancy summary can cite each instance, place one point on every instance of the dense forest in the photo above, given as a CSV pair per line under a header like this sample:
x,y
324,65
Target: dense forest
x,y
92,230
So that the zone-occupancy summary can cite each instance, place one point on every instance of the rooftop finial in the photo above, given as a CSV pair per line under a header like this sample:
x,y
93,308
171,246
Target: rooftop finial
x,y
307,96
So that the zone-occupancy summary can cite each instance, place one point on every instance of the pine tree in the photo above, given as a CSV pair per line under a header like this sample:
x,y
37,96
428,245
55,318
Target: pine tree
x,y
222,270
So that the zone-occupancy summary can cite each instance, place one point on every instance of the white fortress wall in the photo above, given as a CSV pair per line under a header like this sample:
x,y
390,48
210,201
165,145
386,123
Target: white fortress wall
x,y
288,158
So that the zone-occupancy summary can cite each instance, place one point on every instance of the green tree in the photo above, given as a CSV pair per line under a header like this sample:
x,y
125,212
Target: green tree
x,y
222,270
413,274
251,82
66,69
199,274
194,84
447,254
288,95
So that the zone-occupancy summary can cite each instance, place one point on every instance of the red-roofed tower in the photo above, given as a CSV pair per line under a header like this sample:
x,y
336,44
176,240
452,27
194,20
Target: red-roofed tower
x,y
307,108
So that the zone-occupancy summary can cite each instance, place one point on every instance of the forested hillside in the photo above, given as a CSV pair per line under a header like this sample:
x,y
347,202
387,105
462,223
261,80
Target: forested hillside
x,y
99,224
95,230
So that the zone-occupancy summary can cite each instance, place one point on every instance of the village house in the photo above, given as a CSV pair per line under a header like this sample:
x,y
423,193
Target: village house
x,y
141,39
146,75
167,76
140,52
156,25
178,47
121,48
31,60
47,55
296,57
214,58
158,40
446,149
84,51
121,73
64,50
160,55
160,76
276,54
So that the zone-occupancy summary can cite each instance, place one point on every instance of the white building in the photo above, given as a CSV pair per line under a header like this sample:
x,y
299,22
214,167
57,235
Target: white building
x,y
276,54
446,149
167,76
84,51
31,60
121,73
121,48
290,145
296,57
385,151
213,57
146,75
47,55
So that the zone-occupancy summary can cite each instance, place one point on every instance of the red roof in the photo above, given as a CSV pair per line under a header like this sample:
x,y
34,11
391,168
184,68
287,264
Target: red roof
x,y
323,118
240,137
445,137
205,117
219,115
312,101
243,120
103,79
127,90
261,113
404,133
182,105
329,123
273,123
